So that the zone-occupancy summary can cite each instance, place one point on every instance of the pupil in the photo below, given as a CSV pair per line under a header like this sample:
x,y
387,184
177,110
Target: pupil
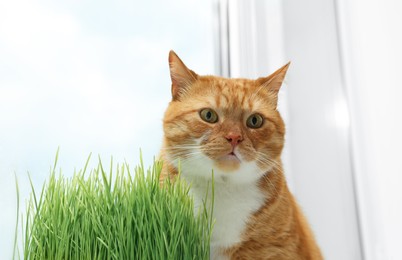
x,y
254,120
209,115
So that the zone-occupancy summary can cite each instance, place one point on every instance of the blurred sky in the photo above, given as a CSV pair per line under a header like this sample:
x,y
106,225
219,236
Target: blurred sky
x,y
87,76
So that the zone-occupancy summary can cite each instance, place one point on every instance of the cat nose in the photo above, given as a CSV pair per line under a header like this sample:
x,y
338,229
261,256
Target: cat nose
x,y
234,138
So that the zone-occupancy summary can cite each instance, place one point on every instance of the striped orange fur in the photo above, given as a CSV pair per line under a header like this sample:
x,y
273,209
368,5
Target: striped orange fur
x,y
233,127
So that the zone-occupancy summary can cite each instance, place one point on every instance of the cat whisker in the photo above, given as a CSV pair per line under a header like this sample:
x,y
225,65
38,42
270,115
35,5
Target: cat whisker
x,y
272,165
267,161
182,160
187,154
268,180
181,147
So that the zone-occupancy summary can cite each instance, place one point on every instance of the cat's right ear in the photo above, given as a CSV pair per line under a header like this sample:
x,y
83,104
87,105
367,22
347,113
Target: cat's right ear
x,y
182,77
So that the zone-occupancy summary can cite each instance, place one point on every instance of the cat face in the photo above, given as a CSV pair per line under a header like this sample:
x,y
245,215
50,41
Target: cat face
x,y
230,126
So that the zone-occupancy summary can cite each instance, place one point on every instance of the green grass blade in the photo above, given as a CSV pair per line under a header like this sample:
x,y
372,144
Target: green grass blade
x,y
18,214
119,214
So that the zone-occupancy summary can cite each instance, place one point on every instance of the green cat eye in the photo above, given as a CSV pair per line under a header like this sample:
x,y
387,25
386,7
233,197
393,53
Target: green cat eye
x,y
255,121
208,115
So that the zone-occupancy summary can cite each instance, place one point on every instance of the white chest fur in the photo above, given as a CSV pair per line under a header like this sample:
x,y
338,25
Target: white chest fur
x,y
233,206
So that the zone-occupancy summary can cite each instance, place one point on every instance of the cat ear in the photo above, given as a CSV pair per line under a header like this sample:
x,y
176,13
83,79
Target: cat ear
x,y
181,76
274,81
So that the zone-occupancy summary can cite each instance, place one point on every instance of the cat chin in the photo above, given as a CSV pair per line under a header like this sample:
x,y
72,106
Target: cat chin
x,y
228,163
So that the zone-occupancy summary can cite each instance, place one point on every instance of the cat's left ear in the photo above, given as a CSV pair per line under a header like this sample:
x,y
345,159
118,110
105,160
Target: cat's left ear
x,y
274,81
182,77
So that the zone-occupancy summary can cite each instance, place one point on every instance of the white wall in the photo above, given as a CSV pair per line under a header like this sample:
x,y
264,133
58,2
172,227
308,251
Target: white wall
x,y
371,50
319,135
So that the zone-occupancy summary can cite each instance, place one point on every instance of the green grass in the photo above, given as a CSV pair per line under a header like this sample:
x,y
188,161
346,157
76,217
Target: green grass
x,y
126,214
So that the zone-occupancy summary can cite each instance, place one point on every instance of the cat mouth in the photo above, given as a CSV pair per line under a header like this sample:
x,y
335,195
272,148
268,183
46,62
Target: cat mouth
x,y
228,162
233,155
230,157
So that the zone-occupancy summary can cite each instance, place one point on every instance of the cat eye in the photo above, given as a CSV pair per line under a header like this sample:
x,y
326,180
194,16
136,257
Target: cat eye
x,y
208,115
255,121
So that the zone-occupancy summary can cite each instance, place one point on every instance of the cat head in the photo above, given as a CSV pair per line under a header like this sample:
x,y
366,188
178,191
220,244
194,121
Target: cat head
x,y
230,126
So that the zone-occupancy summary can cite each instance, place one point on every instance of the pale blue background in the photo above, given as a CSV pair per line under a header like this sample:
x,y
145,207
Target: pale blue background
x,y
87,76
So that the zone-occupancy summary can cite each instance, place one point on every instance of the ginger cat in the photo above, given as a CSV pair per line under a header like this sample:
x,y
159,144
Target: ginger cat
x,y
233,127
